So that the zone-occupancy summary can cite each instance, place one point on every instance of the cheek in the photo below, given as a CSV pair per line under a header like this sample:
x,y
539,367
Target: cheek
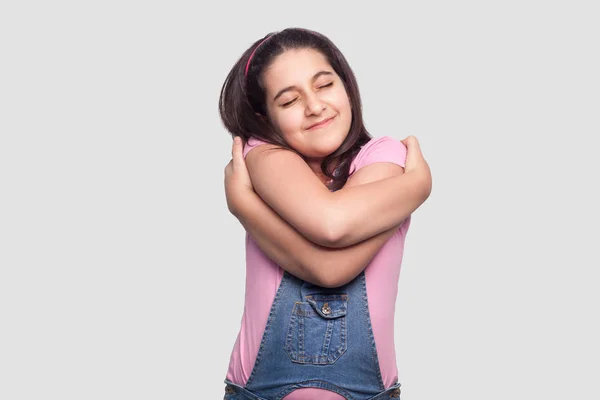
x,y
289,122
343,105
347,104
342,101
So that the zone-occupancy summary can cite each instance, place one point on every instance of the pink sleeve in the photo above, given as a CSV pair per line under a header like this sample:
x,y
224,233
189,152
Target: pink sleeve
x,y
250,144
383,149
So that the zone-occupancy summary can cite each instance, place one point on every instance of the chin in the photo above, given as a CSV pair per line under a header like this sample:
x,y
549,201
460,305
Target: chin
x,y
325,149
320,144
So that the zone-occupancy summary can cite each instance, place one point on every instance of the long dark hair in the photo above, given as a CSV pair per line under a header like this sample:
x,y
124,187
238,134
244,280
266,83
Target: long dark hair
x,y
242,97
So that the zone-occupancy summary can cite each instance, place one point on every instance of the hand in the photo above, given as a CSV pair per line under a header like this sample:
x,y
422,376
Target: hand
x,y
237,178
415,162
414,156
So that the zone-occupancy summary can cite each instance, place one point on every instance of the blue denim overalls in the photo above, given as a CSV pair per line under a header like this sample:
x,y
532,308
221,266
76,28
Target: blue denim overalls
x,y
316,338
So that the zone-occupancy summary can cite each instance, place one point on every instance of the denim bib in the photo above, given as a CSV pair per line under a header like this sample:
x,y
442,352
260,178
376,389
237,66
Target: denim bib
x,y
316,337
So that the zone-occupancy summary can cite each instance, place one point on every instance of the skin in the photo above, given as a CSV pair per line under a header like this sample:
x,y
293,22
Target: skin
x,y
301,90
286,246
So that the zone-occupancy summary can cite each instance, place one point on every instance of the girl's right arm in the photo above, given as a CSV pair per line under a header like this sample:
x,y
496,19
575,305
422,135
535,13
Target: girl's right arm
x,y
345,217
328,267
299,256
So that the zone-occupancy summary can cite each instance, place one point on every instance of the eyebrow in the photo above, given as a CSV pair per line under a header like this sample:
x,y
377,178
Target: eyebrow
x,y
314,78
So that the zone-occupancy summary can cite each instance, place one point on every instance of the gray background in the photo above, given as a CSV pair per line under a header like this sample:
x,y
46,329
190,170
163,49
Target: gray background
x,y
122,272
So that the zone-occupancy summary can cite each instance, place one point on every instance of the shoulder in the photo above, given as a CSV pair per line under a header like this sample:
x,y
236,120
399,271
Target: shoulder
x,y
251,144
382,149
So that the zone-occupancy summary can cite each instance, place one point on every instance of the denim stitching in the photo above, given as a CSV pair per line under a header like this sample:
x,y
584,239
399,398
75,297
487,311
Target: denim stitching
x,y
315,384
327,338
297,325
267,328
387,393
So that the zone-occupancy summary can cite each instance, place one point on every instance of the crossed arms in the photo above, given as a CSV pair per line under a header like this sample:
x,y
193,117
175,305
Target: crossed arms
x,y
326,238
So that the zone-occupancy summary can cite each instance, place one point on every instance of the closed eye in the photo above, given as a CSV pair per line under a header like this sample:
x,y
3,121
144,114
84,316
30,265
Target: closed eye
x,y
289,103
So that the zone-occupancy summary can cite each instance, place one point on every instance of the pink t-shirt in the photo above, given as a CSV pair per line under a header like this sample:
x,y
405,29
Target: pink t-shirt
x,y
263,277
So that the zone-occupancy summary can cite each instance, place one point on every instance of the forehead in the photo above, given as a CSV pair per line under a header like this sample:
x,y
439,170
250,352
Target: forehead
x,y
294,67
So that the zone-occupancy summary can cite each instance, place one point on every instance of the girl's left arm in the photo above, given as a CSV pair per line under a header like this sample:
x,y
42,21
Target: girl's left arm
x,y
282,243
344,217
322,266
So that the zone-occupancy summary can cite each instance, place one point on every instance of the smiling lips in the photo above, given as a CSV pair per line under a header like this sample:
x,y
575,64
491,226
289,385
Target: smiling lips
x,y
321,124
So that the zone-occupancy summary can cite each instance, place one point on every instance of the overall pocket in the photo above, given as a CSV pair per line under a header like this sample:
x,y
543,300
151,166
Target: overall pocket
x,y
317,331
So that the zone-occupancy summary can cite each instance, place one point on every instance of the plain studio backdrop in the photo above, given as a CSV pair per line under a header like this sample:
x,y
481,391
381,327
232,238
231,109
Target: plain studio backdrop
x,y
122,271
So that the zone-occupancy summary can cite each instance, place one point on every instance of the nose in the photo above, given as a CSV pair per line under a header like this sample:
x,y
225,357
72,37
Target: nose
x,y
314,105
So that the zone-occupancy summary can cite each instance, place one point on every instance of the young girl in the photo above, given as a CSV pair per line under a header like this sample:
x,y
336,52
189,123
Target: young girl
x,y
326,209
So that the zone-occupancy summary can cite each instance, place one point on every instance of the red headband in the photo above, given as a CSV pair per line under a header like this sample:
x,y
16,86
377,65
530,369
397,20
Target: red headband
x,y
252,55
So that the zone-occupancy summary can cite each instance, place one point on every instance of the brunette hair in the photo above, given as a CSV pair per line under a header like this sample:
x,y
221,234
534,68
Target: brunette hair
x,y
243,97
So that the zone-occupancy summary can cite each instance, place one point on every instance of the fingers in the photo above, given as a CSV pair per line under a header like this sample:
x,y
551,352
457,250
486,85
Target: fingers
x,y
411,143
227,169
237,150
